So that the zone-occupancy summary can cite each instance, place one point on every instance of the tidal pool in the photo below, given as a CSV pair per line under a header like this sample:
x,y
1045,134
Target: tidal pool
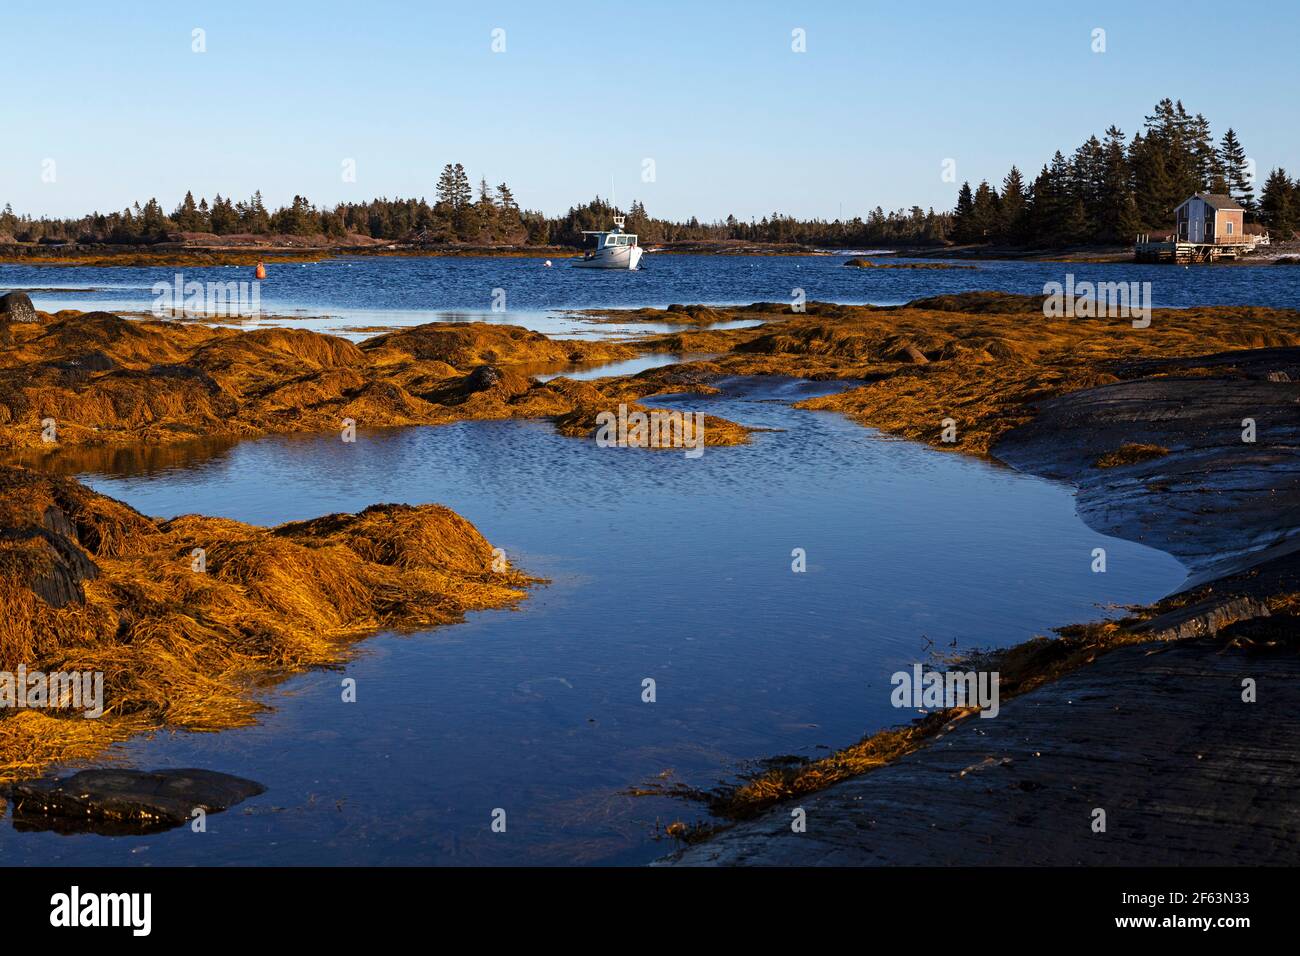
x,y
662,567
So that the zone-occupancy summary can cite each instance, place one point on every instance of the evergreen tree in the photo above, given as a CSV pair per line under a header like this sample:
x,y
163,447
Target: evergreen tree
x,y
963,224
1087,169
153,223
485,211
506,199
1278,205
186,215
446,188
253,216
1156,195
986,215
224,219
1209,172
1236,171
1118,219
1014,208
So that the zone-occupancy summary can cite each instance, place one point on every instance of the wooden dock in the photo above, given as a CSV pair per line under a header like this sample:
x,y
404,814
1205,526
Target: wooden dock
x,y
1187,253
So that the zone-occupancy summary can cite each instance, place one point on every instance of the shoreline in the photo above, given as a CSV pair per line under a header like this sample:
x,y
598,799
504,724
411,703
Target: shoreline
x,y
1240,541
246,254
981,355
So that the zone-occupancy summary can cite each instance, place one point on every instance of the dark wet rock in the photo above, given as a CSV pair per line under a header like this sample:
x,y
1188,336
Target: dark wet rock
x,y
1156,735
17,307
1202,618
483,378
1217,503
56,565
125,801
95,361
483,383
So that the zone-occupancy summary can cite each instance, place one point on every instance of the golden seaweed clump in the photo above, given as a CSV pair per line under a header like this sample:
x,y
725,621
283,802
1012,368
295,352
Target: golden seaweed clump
x,y
186,618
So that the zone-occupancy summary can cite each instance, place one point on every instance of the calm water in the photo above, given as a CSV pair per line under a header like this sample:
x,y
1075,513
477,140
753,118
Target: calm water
x,y
662,567
344,295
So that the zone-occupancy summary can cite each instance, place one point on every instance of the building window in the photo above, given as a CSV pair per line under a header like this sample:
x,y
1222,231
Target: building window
x,y
1229,226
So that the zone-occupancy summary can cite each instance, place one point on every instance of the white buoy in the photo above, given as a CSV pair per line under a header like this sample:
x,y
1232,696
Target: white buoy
x,y
548,263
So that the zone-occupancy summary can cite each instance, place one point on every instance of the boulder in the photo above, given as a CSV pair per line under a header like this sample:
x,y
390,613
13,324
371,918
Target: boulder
x,y
483,378
17,307
125,801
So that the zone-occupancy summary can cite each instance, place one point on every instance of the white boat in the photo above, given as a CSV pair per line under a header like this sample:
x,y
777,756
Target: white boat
x,y
614,249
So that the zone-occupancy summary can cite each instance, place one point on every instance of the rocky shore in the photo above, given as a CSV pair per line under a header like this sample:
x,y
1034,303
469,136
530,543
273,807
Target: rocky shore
x,y
1150,721
1148,423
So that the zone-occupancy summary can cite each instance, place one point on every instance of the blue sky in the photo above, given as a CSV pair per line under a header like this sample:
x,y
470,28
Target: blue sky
x,y
734,120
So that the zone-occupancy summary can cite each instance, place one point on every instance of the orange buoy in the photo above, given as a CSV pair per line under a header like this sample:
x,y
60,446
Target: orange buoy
x,y
261,271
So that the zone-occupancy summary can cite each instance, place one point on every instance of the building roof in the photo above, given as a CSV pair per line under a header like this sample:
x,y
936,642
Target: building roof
x,y
1218,200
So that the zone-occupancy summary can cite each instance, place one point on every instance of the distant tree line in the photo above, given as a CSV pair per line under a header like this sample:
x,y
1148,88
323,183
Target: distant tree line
x,y
1111,189
461,213
1108,191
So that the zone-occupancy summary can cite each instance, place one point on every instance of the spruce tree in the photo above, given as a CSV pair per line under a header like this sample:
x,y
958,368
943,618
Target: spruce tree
x,y
1152,186
1011,227
1209,172
986,216
1118,219
446,188
1277,206
186,215
963,225
1236,170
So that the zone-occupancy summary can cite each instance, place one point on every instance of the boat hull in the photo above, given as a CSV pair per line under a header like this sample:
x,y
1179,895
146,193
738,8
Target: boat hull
x,y
612,257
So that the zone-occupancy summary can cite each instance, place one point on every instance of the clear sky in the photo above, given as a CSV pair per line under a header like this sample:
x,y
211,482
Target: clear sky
x,y
734,120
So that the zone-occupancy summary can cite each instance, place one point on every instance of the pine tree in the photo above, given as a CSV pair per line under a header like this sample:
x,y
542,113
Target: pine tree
x,y
446,188
153,223
1015,200
1278,206
186,215
1042,218
485,211
1236,171
1118,219
1153,189
1209,172
1166,173
507,199
963,225
1087,168
253,216
986,218
224,219
464,220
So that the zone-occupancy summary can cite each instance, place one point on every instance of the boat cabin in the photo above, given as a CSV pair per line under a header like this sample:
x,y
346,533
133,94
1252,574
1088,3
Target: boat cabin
x,y
614,237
